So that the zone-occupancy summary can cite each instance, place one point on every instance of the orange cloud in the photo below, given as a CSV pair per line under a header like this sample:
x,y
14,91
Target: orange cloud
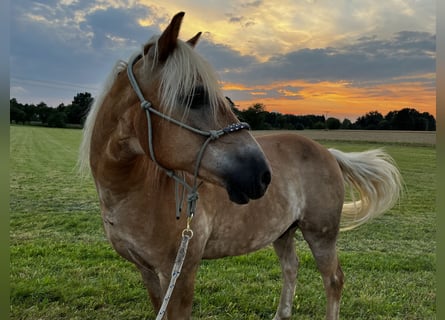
x,y
234,87
258,93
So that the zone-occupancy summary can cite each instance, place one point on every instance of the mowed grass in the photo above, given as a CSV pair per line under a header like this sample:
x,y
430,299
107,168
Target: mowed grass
x,y
62,267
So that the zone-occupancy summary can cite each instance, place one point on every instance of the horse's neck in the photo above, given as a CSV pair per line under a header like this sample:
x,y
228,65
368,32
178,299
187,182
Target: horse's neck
x,y
139,175
119,155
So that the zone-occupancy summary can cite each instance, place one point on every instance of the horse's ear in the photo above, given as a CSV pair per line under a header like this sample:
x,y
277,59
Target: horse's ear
x,y
193,41
168,40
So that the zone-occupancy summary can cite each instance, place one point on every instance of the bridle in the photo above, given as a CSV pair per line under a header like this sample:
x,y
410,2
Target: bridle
x,y
211,135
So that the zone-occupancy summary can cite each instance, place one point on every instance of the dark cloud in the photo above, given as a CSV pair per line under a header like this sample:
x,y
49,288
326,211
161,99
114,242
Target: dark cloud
x,y
48,45
403,44
368,59
118,23
235,19
241,20
223,58
41,50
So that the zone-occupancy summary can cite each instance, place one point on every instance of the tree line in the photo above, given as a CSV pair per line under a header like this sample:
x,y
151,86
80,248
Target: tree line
x,y
404,119
62,116
74,115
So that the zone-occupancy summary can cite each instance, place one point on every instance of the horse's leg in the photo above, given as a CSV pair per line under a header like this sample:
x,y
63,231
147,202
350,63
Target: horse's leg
x,y
152,283
150,279
323,247
285,250
180,304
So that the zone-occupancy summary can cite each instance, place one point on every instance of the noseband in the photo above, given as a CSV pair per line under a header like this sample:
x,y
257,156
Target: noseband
x,y
211,135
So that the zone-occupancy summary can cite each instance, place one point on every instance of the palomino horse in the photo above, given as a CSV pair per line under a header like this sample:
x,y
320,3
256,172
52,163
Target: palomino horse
x,y
144,159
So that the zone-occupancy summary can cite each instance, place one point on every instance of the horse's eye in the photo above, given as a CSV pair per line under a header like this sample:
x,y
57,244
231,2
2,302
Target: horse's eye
x,y
198,98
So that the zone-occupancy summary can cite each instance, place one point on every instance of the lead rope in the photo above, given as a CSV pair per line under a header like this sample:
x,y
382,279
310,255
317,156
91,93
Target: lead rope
x,y
187,234
192,196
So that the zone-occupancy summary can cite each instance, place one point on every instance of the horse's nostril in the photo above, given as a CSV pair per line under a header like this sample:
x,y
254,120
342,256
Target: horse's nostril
x,y
266,178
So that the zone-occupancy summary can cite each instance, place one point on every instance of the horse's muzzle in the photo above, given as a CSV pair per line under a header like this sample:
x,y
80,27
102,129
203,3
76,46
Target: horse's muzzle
x,y
248,180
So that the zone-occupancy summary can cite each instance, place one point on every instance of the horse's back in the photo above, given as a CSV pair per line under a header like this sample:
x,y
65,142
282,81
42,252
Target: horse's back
x,y
309,167
287,150
291,144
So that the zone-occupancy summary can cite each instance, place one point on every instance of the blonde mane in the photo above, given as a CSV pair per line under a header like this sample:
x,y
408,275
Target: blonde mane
x,y
180,74
84,151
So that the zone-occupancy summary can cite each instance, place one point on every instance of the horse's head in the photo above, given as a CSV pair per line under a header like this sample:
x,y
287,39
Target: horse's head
x,y
180,85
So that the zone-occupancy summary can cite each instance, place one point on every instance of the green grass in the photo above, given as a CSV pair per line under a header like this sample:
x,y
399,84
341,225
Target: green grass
x,y
62,267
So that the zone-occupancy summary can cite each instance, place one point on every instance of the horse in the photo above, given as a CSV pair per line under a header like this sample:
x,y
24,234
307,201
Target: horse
x,y
162,134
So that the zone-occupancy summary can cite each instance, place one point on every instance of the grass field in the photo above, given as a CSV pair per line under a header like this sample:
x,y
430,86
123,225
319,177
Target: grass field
x,y
62,267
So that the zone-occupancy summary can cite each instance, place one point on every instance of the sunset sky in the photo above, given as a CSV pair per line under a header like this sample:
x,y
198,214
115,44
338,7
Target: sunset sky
x,y
339,58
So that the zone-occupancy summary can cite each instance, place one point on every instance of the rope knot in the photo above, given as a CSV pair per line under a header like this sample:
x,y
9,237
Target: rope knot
x,y
145,105
193,196
191,203
215,134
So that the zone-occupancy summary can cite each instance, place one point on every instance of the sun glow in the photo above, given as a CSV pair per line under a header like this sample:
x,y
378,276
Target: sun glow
x,y
340,99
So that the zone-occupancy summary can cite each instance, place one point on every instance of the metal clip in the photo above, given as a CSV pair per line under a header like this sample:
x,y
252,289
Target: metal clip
x,y
188,232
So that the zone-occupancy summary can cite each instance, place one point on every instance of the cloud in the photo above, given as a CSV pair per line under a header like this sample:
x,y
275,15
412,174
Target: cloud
x,y
17,90
263,51
73,41
370,72
367,59
240,20
233,18
117,28
250,4
223,58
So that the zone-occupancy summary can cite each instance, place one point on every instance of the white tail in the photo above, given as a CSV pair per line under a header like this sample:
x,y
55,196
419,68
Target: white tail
x,y
374,175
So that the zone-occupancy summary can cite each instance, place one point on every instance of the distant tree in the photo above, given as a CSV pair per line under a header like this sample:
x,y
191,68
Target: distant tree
x,y
411,119
43,112
299,126
13,103
61,108
314,122
292,122
319,125
30,113
346,124
57,119
429,121
76,112
404,119
390,118
274,119
16,113
333,123
255,116
384,125
23,113
369,121
83,99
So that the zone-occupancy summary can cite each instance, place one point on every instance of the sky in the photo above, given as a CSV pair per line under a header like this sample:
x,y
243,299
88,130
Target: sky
x,y
339,58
